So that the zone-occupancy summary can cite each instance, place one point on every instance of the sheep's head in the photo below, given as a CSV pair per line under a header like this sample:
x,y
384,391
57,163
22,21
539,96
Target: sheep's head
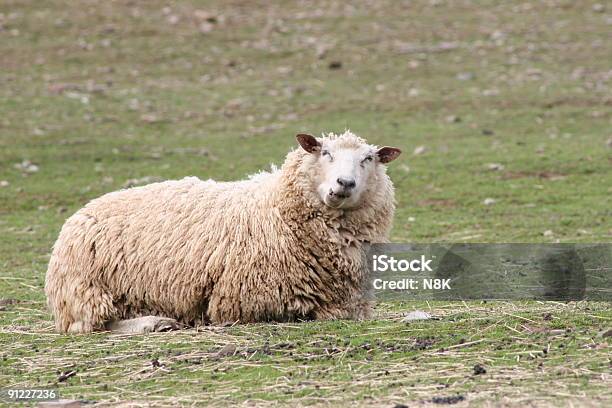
x,y
344,167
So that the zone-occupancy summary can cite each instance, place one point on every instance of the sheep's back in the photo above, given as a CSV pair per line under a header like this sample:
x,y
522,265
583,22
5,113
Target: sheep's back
x,y
160,247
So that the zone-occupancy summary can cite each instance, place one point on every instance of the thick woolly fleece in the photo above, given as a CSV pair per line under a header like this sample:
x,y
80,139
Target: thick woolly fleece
x,y
262,249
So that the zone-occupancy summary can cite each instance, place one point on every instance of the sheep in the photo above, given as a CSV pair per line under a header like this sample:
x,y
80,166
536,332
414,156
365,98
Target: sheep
x,y
283,245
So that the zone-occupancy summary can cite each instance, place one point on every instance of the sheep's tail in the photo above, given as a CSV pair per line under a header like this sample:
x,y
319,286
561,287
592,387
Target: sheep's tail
x,y
77,305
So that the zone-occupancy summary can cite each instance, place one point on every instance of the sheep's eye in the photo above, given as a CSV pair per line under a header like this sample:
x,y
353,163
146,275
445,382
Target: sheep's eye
x,y
326,153
368,159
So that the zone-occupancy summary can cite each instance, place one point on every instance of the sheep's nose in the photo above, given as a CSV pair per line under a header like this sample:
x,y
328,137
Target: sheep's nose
x,y
346,183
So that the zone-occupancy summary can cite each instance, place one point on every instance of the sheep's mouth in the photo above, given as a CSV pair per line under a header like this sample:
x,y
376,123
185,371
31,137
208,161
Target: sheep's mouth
x,y
336,199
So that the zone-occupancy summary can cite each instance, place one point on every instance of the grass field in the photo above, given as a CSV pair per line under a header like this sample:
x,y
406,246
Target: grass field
x,y
504,102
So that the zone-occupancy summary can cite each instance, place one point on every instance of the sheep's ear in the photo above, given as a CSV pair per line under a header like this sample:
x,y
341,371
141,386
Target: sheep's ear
x,y
308,143
387,154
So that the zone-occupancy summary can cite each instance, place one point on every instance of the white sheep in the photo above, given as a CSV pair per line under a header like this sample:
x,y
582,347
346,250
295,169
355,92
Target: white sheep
x,y
282,245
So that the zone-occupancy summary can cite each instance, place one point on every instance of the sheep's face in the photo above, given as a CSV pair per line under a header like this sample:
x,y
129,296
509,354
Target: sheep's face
x,y
344,171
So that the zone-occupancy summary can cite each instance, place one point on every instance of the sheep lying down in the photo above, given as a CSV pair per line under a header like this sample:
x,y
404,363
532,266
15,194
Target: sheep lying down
x,y
280,246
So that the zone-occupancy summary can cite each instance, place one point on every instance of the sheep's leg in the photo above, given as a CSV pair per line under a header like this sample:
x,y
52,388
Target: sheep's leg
x,y
142,325
80,327
363,310
78,306
359,310
331,312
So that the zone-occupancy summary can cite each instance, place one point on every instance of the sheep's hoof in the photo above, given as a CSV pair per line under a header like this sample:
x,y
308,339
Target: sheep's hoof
x,y
143,325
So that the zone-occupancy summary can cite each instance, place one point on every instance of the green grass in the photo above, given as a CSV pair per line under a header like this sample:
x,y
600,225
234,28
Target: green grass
x,y
96,94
